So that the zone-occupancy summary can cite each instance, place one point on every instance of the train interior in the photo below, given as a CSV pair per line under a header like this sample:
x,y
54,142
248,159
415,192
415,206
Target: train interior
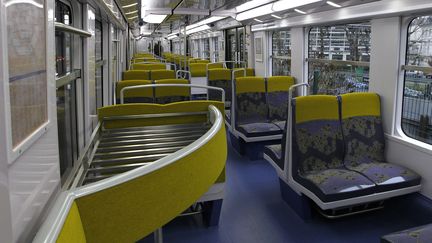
x,y
222,121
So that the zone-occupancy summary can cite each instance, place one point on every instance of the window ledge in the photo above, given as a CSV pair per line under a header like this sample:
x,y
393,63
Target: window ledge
x,y
412,143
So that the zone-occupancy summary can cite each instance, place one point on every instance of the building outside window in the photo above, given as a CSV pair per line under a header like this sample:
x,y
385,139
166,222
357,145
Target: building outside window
x,y
339,58
281,53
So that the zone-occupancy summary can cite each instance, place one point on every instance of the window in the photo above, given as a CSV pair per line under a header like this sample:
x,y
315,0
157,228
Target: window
x,y
66,93
215,49
63,40
206,49
99,64
339,58
417,98
281,53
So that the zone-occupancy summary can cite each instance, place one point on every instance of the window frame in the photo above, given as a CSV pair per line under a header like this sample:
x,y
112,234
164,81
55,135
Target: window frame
x,y
397,133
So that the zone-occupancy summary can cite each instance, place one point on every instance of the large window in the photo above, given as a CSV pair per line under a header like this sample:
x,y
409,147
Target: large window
x,y
66,84
63,40
206,48
339,58
417,99
281,53
99,63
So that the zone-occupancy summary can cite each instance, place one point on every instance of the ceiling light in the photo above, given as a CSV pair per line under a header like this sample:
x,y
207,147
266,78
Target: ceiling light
x,y
260,11
299,11
205,21
333,4
290,4
132,12
130,5
154,18
134,17
250,5
197,29
275,16
257,20
171,37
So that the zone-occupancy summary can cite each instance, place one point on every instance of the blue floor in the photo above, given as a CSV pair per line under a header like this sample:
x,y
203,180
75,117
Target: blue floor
x,y
253,211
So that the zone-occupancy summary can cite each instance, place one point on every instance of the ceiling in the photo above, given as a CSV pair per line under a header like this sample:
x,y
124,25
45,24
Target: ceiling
x,y
173,21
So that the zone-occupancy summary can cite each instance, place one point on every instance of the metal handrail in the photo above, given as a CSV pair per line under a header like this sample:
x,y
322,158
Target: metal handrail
x,y
70,29
288,152
171,85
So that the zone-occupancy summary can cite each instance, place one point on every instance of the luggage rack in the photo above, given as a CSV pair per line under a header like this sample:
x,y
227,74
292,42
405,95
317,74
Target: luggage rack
x,y
113,151
119,150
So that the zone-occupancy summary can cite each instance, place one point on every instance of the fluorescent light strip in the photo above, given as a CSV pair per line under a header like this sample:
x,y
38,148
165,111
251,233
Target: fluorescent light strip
x,y
154,18
275,16
134,17
299,11
205,21
273,7
132,12
333,4
198,29
130,5
249,5
257,20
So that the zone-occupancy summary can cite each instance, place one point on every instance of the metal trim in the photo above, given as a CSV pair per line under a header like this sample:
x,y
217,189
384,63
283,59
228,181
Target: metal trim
x,y
416,68
66,28
68,78
339,62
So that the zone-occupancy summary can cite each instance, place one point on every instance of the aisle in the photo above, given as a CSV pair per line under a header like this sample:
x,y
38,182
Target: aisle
x,y
253,212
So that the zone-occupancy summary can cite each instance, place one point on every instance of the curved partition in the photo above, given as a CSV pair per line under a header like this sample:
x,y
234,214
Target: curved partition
x,y
128,206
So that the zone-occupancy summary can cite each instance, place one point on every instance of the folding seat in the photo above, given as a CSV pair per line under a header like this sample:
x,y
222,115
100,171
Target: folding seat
x,y
139,66
364,143
136,75
162,74
277,98
251,109
165,95
138,95
318,152
199,77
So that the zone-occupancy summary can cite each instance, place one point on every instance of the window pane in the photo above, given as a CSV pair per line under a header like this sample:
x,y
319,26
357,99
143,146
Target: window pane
x,y
98,40
339,58
281,53
63,40
417,100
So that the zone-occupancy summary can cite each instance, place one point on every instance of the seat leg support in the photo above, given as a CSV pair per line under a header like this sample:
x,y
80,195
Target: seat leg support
x,y
238,144
299,203
158,236
212,210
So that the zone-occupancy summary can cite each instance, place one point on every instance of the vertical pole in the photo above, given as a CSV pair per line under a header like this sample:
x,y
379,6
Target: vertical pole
x,y
158,236
185,45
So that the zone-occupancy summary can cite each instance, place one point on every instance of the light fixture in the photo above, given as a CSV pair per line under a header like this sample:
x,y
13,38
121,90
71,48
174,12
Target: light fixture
x,y
171,37
205,21
130,5
197,29
250,5
132,12
257,20
299,11
273,7
260,11
134,17
333,4
154,18
275,16
289,4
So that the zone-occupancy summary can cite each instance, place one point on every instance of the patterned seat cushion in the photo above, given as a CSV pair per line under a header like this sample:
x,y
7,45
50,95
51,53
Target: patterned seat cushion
x,y
225,85
364,143
387,176
275,153
170,99
136,100
251,107
414,235
278,105
259,129
337,184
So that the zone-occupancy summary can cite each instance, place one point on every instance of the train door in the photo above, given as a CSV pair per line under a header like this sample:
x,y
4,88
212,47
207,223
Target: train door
x,y
235,46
